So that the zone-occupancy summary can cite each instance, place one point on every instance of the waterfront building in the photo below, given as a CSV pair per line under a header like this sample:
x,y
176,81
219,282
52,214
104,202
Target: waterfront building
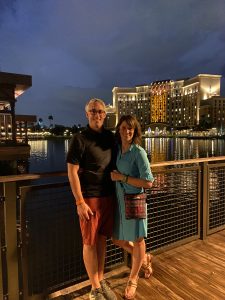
x,y
134,101
14,148
171,103
191,92
24,125
110,120
159,95
159,100
212,112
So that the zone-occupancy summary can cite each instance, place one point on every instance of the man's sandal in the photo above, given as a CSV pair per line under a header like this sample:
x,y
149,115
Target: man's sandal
x,y
130,285
146,267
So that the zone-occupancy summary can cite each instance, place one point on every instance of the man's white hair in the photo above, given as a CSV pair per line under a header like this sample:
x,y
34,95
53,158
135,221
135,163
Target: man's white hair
x,y
93,100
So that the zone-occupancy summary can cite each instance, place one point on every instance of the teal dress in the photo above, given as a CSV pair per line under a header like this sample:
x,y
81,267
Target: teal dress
x,y
134,163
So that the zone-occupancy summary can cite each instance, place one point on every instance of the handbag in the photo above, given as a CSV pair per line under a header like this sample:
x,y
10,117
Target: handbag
x,y
135,206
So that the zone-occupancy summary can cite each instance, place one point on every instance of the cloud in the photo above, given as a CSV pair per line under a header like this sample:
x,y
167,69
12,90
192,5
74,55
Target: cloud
x,y
66,104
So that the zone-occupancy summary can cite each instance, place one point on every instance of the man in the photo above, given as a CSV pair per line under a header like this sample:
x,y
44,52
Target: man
x,y
89,162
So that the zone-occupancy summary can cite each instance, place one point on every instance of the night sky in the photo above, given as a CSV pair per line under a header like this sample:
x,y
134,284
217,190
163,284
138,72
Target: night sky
x,y
77,49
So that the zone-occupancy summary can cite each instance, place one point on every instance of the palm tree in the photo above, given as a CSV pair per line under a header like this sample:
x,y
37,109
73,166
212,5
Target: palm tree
x,y
39,124
50,117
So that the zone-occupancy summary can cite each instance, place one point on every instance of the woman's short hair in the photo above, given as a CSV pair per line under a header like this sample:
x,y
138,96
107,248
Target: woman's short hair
x,y
93,100
133,123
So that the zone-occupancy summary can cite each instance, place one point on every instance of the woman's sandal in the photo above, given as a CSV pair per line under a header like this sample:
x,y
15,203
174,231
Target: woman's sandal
x,y
130,285
146,267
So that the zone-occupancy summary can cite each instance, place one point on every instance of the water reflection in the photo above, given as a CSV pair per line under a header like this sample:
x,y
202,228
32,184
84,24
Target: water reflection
x,y
39,149
49,155
162,149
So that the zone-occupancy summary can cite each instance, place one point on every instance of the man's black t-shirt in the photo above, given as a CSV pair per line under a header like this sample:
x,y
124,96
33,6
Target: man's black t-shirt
x,y
92,151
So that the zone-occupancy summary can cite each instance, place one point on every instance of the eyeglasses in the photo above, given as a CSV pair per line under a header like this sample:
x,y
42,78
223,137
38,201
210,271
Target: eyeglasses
x,y
95,111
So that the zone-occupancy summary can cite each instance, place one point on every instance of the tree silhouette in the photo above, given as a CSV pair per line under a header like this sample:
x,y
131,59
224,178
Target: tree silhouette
x,y
50,118
39,124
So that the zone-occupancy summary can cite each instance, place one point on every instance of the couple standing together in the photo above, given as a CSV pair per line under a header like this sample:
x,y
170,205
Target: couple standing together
x,y
93,174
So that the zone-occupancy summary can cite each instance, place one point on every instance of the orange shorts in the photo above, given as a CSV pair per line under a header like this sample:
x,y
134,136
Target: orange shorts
x,y
102,220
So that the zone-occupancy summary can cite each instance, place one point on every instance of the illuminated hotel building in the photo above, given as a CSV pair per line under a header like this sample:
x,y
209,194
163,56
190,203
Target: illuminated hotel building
x,y
110,120
134,101
213,110
186,96
159,96
174,103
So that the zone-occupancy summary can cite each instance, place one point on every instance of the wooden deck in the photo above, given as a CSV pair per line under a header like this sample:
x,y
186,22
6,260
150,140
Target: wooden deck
x,y
193,271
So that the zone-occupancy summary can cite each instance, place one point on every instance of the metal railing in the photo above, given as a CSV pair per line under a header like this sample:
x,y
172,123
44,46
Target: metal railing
x,y
174,208
41,247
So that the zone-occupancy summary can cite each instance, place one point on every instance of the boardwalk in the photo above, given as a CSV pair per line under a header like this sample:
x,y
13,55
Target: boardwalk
x,y
193,271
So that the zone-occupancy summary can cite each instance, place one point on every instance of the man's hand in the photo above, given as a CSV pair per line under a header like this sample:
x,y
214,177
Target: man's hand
x,y
84,211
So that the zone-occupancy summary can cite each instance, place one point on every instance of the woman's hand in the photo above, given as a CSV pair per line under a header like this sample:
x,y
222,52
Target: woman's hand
x,y
116,176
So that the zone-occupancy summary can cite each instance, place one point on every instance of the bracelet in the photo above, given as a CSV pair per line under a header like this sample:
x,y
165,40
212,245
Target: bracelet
x,y
125,178
78,202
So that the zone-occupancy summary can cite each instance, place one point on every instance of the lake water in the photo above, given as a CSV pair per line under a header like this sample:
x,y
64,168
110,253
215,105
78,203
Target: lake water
x,y
49,155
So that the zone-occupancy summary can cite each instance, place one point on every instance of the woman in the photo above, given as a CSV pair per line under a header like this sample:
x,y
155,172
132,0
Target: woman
x,y
132,175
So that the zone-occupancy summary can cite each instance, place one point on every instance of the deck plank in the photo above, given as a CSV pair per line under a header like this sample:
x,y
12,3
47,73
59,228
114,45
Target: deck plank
x,y
194,271
198,276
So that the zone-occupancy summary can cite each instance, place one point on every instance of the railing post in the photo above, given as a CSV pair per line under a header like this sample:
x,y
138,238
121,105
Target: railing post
x,y
3,261
1,278
204,201
11,241
1,271
24,250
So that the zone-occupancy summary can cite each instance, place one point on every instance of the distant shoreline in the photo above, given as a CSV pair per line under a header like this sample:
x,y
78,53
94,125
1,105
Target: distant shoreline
x,y
187,137
144,136
49,138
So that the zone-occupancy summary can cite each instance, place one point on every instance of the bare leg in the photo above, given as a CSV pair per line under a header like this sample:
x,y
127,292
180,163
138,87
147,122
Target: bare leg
x,y
101,248
137,260
129,247
94,260
126,245
91,264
